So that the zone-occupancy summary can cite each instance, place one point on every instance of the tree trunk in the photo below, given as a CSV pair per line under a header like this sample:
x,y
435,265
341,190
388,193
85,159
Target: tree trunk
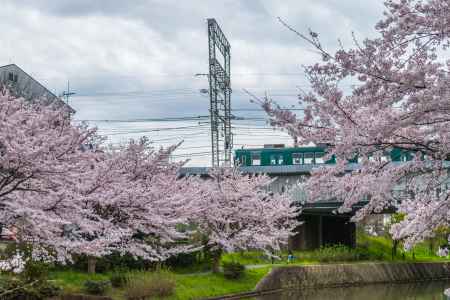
x,y
394,248
91,261
216,261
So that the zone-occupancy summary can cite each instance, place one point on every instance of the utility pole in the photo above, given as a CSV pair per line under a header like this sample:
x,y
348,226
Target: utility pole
x,y
219,95
68,93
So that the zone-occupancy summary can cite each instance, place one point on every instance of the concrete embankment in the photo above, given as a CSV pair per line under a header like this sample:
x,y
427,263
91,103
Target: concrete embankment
x,y
332,275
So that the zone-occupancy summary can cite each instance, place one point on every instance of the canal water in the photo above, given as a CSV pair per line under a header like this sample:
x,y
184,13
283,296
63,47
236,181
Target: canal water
x,y
418,291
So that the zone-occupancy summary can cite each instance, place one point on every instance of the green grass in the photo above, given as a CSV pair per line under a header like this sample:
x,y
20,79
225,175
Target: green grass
x,y
204,284
207,285
72,281
369,248
381,247
188,286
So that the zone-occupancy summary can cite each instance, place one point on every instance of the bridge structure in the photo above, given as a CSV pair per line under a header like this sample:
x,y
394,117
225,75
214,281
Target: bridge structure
x,y
321,225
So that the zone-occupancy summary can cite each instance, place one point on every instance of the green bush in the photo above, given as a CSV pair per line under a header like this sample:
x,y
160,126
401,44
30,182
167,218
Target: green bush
x,y
339,253
183,260
96,287
110,262
142,286
233,270
16,288
119,278
35,271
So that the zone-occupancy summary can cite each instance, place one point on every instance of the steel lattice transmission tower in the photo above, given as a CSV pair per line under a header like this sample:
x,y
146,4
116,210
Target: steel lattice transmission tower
x,y
219,95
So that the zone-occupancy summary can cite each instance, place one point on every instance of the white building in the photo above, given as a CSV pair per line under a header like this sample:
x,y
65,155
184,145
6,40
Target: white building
x,y
29,88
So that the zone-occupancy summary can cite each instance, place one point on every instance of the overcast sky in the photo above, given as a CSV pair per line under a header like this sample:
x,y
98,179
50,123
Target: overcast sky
x,y
137,59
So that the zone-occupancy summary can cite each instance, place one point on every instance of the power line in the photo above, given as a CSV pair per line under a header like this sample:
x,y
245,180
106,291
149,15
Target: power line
x,y
162,119
157,130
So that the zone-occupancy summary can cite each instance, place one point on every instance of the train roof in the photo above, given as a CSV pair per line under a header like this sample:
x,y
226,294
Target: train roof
x,y
285,149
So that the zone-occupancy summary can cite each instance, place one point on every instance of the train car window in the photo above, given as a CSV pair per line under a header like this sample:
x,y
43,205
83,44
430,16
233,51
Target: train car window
x,y
242,160
256,159
297,158
319,158
273,159
308,158
280,159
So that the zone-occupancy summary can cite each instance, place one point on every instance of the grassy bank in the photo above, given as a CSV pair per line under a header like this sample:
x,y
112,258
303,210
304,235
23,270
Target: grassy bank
x,y
188,286
193,283
369,248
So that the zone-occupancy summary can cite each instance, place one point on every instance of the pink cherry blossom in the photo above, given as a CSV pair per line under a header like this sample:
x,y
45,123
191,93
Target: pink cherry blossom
x,y
399,100
238,212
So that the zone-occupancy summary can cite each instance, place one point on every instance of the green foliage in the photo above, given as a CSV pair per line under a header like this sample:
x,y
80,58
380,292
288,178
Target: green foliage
x,y
233,270
248,257
72,281
111,262
141,286
35,270
118,278
16,288
184,260
96,287
188,286
339,253
200,286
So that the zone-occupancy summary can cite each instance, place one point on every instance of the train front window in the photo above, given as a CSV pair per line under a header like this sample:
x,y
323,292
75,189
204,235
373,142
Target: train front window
x,y
319,158
308,158
256,159
242,160
296,158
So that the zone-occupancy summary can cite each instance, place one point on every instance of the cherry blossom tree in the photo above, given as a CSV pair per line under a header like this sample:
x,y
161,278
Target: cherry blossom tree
x,y
141,200
64,192
238,212
42,158
399,100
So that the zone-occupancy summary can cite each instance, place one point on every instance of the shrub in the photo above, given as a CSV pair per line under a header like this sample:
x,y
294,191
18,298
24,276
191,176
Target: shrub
x,y
96,287
145,286
233,270
15,288
336,253
183,260
119,278
110,262
35,270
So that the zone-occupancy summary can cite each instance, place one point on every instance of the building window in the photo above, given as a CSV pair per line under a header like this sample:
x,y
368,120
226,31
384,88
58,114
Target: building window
x,y
12,77
308,158
319,158
256,159
296,158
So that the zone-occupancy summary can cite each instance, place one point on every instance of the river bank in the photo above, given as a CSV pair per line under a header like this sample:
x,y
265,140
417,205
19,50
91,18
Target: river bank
x,y
332,275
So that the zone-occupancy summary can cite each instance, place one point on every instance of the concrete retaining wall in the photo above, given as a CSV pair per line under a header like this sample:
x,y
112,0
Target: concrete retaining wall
x,y
298,277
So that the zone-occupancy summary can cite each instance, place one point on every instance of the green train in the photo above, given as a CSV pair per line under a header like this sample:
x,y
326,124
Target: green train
x,y
273,156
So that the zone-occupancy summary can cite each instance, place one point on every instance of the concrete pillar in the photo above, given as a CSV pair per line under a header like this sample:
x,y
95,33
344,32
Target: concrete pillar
x,y
317,231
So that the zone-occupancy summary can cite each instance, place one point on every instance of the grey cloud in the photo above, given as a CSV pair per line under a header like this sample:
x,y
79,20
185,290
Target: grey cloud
x,y
141,46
